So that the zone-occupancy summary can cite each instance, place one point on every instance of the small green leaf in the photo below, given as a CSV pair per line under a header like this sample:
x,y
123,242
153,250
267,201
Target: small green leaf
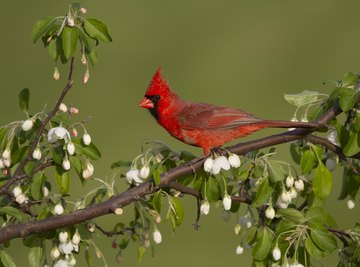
x,y
6,259
141,252
70,36
317,216
63,180
352,146
312,249
97,30
307,161
88,257
178,210
350,79
323,240
13,212
36,256
24,97
156,175
76,163
53,49
348,98
292,215
305,97
322,182
120,163
157,201
211,186
263,245
90,151
263,193
41,27
37,185
276,170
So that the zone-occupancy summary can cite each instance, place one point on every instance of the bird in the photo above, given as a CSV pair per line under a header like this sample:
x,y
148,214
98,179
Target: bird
x,y
204,125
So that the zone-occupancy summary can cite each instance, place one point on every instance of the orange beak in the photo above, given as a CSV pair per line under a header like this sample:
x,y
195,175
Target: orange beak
x,y
146,103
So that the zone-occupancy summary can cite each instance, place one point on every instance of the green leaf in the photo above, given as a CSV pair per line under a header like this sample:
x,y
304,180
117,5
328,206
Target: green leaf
x,y
317,216
263,245
178,210
141,252
312,249
53,49
211,186
37,185
88,257
350,79
6,259
70,36
120,163
302,98
156,175
263,193
97,29
352,146
323,240
36,256
350,184
295,152
30,166
292,215
322,182
76,163
41,27
157,201
348,98
13,212
63,180
307,161
20,154
276,170
93,57
24,97
90,151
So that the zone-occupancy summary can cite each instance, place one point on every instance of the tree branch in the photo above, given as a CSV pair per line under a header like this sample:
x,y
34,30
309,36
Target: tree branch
x,y
167,178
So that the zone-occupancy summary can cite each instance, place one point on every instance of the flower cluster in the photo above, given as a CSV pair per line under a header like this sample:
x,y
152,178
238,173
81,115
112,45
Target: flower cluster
x,y
62,254
214,166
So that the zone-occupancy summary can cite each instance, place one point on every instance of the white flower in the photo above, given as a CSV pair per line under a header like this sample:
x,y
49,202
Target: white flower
x,y
350,204
68,247
270,213
281,204
74,110
58,133
293,192
208,164
83,10
66,164
289,181
88,171
70,148
86,76
157,236
299,185
205,207
45,191
227,202
17,191
330,164
296,264
285,197
55,253
118,211
63,236
63,107
58,209
37,153
62,263
70,22
76,238
237,229
56,74
239,250
133,177
6,154
234,161
91,227
27,125
223,162
21,198
144,172
86,139
333,138
276,253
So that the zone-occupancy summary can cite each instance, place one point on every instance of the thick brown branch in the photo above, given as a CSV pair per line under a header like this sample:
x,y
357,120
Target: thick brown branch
x,y
135,193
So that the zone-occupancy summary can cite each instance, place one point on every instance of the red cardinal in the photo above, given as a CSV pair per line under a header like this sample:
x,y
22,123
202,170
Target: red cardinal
x,y
200,124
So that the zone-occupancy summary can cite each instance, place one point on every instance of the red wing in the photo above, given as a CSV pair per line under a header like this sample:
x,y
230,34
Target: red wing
x,y
211,117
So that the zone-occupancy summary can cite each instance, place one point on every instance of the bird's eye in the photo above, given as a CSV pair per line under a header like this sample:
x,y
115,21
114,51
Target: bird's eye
x,y
157,97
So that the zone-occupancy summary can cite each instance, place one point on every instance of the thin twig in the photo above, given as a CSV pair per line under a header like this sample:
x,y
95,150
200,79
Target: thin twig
x,y
123,231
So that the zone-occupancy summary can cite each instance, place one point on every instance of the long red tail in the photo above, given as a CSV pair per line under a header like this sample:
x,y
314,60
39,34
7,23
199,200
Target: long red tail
x,y
290,124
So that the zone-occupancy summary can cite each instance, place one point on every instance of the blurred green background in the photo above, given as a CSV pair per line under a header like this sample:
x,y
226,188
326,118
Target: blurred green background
x,y
244,54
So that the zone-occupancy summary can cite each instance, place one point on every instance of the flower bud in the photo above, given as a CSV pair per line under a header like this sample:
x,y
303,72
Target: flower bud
x,y
76,238
350,204
276,253
158,219
66,164
63,236
17,191
299,185
86,139
58,209
227,202
239,250
91,227
289,181
88,171
144,172
63,107
270,213
21,198
86,76
56,74
83,10
70,148
223,162
70,22
74,132
234,161
37,153
45,191
157,236
208,164
26,125
118,211
285,197
55,253
83,59
7,162
237,229
74,110
205,207
6,154
293,192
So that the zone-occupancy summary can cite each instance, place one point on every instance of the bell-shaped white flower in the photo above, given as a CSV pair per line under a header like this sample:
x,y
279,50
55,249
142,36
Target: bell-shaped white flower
x,y
289,181
56,74
55,253
237,229
239,250
276,253
86,139
350,204
36,153
270,213
26,125
67,247
21,198
299,185
133,177
118,211
285,197
70,22
88,171
76,238
58,209
205,207
74,110
66,164
227,202
70,147
58,133
223,162
293,192
157,236
6,153
144,172
208,164
63,107
83,10
296,264
234,161
45,191
63,236
17,191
